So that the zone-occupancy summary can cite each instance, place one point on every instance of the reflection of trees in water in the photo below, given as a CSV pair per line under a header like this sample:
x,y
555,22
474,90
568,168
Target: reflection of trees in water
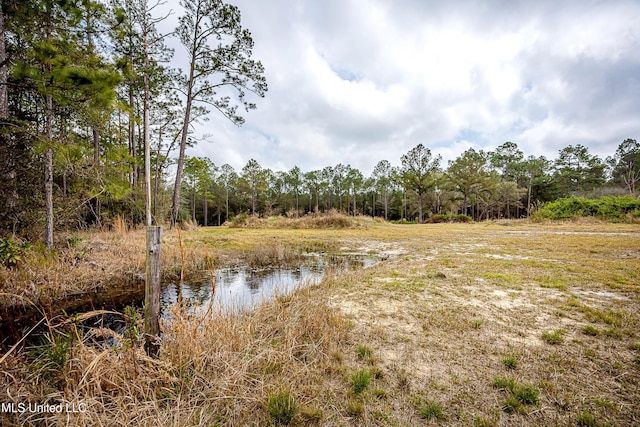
x,y
198,291
243,283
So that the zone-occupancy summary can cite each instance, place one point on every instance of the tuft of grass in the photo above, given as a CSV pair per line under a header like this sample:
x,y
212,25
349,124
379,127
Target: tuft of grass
x,y
484,422
355,407
475,324
526,393
311,414
591,330
380,393
519,394
554,337
360,380
511,405
510,361
586,419
52,356
554,284
282,407
431,409
119,225
504,383
363,351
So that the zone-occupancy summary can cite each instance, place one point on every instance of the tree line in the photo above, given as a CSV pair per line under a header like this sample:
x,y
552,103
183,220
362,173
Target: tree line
x,y
87,94
503,183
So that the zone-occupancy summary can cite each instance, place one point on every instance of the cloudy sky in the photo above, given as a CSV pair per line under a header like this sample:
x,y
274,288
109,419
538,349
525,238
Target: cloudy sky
x,y
359,81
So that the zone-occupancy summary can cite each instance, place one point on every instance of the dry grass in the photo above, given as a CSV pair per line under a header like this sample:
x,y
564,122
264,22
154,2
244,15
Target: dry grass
x,y
330,219
219,369
449,330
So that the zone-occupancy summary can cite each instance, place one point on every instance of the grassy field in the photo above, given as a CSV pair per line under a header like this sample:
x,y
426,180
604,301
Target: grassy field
x,y
484,324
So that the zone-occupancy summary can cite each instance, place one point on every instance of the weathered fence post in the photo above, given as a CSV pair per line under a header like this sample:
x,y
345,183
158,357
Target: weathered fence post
x,y
152,290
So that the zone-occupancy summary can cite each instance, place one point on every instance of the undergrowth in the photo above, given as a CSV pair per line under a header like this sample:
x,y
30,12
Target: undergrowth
x,y
612,208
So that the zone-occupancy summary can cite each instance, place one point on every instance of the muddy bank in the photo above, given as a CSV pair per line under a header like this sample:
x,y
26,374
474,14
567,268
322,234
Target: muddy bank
x,y
17,318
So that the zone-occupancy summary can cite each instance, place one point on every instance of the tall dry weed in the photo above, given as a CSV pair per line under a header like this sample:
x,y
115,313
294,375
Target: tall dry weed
x,y
119,225
218,369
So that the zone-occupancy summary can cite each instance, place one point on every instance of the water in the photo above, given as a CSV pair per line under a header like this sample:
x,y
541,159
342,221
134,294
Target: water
x,y
241,287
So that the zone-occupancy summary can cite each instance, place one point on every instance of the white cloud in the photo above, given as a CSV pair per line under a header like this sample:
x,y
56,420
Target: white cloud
x,y
359,81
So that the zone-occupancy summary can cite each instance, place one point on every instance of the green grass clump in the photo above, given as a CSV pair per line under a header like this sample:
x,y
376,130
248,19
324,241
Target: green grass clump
x,y
591,330
586,419
282,407
475,324
360,380
519,394
554,284
554,337
355,408
484,422
431,409
510,361
363,351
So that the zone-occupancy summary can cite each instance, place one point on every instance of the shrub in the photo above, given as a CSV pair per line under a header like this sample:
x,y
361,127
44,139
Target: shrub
x,y
11,251
611,208
438,218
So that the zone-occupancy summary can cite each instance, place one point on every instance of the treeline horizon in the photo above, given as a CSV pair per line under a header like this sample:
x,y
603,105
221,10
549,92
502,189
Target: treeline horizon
x,y
503,183
90,110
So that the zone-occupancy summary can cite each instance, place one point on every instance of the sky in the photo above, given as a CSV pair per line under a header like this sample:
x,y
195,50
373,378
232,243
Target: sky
x,y
360,81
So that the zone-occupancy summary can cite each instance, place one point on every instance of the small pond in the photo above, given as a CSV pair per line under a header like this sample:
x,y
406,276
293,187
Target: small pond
x,y
239,288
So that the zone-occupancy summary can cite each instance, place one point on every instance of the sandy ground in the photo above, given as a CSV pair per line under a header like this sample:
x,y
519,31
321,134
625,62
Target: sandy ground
x,y
446,308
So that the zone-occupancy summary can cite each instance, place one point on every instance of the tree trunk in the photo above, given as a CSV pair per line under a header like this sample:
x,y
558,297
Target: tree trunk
x,y
226,204
4,71
193,205
156,183
145,120
175,202
48,173
529,195
205,209
132,140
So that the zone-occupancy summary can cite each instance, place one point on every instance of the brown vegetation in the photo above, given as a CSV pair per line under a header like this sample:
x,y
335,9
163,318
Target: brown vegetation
x,y
484,324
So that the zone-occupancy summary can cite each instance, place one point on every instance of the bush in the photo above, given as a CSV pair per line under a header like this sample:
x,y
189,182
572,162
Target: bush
x,y
329,219
11,251
615,209
438,218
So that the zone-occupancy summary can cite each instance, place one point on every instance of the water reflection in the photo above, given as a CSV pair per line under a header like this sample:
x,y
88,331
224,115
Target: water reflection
x,y
241,287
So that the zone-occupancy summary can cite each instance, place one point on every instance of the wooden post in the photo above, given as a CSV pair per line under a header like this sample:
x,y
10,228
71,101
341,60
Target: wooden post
x,y
152,291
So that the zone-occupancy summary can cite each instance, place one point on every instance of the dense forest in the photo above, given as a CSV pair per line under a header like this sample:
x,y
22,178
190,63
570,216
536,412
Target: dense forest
x,y
86,89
